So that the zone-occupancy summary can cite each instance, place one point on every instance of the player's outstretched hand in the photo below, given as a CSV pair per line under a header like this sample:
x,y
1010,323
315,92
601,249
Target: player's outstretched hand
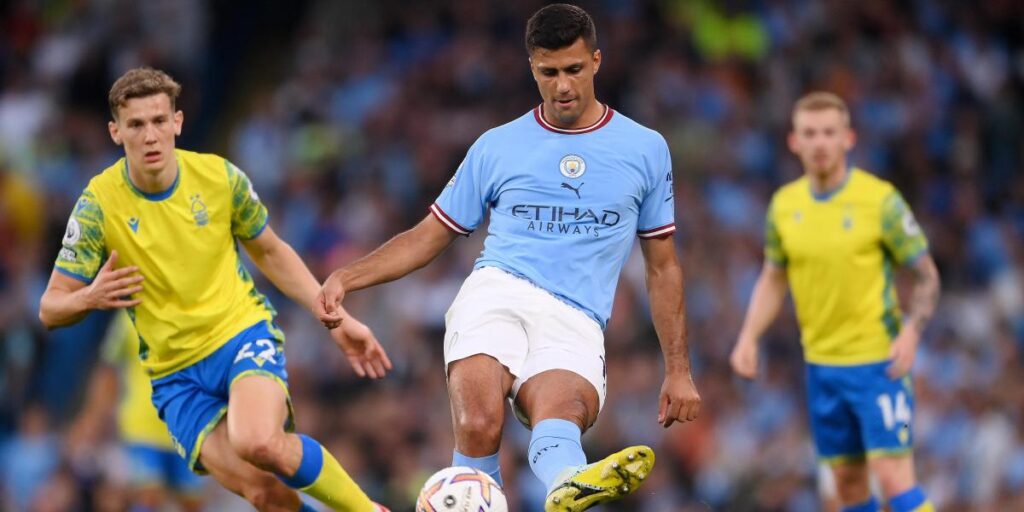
x,y
679,400
744,359
327,305
112,288
362,349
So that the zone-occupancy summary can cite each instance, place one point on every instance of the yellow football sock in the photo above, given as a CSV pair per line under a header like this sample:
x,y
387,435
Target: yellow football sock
x,y
322,477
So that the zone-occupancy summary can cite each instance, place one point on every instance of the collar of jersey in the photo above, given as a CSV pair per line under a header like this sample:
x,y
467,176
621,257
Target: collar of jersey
x,y
829,194
538,114
156,196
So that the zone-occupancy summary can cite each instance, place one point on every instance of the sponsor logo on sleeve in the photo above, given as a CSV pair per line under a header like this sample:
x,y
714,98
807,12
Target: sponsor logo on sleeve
x,y
73,233
68,255
910,225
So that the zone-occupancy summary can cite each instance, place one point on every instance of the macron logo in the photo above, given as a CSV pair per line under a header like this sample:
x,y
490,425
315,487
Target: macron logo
x,y
134,224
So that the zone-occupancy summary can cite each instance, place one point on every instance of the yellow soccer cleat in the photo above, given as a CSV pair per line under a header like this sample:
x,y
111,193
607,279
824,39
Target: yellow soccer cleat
x,y
616,476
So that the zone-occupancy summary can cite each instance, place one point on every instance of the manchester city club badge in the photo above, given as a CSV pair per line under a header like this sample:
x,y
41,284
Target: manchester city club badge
x,y
572,166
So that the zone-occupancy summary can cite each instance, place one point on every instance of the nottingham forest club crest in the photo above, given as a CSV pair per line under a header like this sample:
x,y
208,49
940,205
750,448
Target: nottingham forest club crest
x,y
199,213
572,166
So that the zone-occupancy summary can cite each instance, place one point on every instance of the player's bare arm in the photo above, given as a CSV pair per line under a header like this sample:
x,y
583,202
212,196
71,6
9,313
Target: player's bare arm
x,y
769,293
679,400
406,252
923,299
925,294
67,300
283,266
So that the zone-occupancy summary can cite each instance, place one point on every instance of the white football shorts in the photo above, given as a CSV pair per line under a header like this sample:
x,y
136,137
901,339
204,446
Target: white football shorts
x,y
524,327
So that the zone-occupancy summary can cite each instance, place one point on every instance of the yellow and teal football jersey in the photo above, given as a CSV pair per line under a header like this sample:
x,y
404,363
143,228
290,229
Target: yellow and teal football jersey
x,y
838,250
137,419
197,294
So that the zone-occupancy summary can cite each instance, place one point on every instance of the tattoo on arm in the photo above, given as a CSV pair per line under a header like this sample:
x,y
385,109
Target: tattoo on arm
x,y
925,294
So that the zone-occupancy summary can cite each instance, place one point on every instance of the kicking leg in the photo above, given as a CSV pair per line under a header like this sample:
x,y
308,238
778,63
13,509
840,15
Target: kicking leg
x,y
561,405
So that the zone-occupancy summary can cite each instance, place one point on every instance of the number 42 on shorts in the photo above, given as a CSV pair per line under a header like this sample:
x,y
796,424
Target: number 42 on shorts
x,y
266,348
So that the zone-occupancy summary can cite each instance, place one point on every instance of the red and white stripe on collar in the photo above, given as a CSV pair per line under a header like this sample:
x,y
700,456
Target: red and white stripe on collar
x,y
538,114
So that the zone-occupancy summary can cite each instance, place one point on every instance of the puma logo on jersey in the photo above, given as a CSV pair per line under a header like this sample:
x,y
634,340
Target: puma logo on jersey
x,y
574,189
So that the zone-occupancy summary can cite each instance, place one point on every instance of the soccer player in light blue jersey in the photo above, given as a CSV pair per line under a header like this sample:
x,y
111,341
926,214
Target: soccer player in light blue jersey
x,y
568,186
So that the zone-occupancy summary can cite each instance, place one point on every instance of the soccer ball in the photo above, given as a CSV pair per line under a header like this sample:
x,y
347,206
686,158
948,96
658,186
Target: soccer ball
x,y
461,489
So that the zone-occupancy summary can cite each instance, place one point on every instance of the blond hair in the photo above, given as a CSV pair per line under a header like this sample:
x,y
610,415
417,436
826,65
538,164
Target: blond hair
x,y
139,83
822,100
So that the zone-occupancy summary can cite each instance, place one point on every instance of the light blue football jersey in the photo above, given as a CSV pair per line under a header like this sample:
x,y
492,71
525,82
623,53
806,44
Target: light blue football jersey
x,y
565,205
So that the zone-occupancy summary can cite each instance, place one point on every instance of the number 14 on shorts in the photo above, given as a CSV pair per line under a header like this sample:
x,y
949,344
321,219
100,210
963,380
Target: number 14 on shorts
x,y
895,412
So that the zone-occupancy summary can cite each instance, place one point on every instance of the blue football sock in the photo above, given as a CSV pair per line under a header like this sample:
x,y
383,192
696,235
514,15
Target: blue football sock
x,y
320,476
310,465
870,505
488,464
555,446
909,501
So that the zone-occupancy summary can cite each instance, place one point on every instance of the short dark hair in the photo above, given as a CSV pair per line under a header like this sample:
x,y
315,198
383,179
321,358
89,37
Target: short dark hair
x,y
139,83
559,25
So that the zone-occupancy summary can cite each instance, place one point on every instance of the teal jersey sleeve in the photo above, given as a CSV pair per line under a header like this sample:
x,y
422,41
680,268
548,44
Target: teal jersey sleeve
x,y
773,251
902,236
83,248
248,214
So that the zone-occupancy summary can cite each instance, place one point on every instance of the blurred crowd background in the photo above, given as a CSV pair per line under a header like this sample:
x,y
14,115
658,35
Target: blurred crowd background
x,y
350,117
